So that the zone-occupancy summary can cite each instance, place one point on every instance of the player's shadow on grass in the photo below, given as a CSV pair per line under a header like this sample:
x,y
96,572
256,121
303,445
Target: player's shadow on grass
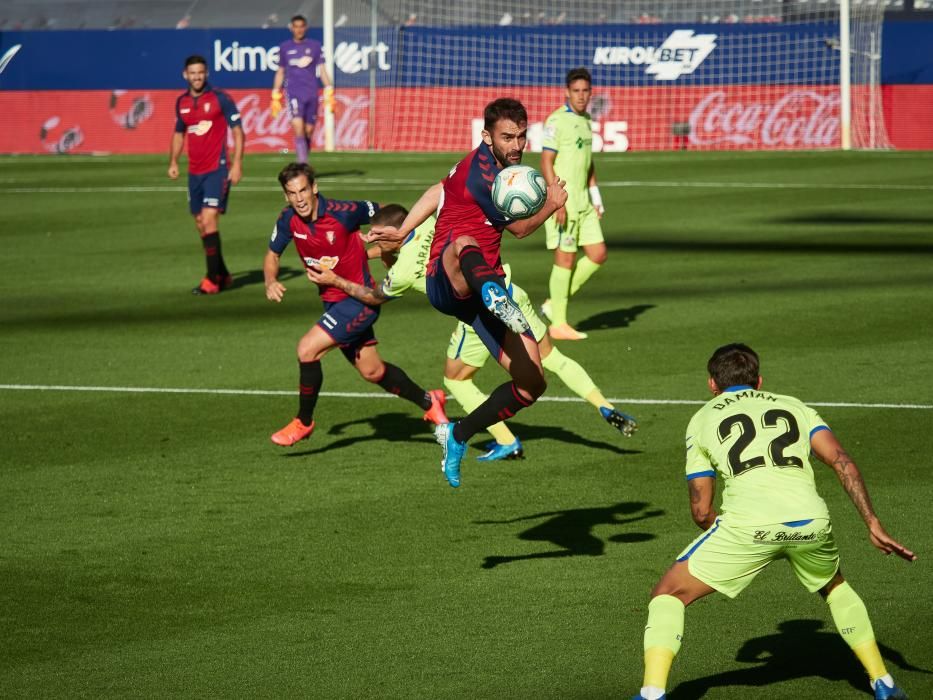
x,y
572,531
391,427
530,433
249,277
617,318
800,650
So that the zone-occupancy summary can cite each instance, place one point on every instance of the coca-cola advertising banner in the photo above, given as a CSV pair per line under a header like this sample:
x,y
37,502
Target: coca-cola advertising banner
x,y
728,117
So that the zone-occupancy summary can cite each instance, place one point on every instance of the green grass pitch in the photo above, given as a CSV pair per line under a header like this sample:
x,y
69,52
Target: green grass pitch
x,y
157,544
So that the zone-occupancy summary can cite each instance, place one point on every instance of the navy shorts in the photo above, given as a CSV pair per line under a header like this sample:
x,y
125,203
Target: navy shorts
x,y
469,309
303,107
350,323
209,190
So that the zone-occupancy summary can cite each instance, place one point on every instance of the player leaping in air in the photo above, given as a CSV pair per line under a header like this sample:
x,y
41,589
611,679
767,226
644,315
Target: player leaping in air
x,y
326,234
466,354
465,278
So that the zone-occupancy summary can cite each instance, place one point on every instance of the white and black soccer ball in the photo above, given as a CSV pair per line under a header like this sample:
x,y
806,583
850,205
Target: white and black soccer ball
x,y
519,191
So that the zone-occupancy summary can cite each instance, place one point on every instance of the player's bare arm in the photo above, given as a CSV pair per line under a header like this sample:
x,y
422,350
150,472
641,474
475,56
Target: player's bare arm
x,y
275,290
702,490
326,276
556,198
426,205
178,143
829,451
236,163
595,197
547,169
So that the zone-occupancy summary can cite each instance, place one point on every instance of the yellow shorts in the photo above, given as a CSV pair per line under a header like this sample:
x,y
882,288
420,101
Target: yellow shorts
x,y
466,346
582,229
727,557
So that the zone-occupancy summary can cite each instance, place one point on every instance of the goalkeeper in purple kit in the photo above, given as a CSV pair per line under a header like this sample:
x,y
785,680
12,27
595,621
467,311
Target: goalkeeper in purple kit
x,y
301,73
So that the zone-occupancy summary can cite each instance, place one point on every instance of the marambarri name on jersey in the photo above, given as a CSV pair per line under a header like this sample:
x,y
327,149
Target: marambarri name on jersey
x,y
734,397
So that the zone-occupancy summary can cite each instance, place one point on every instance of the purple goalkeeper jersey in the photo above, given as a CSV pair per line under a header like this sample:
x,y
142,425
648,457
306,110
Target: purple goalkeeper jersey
x,y
300,60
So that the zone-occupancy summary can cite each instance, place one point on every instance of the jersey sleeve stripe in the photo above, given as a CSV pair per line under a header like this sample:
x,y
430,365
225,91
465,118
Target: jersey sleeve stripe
x,y
548,148
818,429
697,475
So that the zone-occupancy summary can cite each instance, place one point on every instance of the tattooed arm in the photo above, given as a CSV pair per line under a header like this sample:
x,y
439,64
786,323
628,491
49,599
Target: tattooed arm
x,y
367,295
702,490
828,449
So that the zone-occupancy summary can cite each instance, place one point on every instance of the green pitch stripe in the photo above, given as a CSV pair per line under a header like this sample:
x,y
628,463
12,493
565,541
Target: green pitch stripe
x,y
383,395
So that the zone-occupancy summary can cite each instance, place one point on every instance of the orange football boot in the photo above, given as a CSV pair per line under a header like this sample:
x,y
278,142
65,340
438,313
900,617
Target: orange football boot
x,y
436,413
295,431
206,287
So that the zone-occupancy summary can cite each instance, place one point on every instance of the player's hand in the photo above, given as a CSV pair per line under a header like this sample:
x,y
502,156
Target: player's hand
x,y
275,104
173,171
275,290
887,544
557,194
560,216
235,174
383,233
599,211
321,275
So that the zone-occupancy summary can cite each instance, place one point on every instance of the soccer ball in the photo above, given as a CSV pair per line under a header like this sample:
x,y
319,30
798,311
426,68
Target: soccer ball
x,y
519,191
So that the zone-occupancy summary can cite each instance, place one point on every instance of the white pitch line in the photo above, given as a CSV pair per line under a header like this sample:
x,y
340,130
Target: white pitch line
x,y
418,184
383,395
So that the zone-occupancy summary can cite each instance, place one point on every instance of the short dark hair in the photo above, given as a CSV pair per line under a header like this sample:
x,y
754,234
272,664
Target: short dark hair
x,y
579,74
735,364
504,108
298,18
195,58
389,215
293,170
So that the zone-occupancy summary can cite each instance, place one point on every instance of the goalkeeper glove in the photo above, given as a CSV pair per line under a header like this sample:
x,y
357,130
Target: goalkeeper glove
x,y
275,106
329,101
597,200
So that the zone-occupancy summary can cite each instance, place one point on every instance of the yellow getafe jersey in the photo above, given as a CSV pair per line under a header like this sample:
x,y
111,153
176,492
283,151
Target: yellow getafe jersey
x,y
759,443
570,135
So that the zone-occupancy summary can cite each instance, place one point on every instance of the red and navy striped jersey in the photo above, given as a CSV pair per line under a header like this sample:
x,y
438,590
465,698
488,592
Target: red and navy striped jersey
x,y
467,209
332,240
205,118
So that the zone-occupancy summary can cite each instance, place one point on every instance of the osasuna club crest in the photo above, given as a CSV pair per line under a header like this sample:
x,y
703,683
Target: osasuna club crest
x,y
330,237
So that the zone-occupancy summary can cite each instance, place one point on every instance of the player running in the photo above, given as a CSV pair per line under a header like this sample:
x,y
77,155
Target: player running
x,y
761,442
204,114
406,262
326,234
567,153
465,278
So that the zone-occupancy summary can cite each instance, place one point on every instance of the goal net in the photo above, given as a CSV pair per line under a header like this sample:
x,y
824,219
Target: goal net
x,y
680,74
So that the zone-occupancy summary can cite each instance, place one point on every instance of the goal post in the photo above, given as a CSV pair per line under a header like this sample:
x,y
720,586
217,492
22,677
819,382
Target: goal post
x,y
667,74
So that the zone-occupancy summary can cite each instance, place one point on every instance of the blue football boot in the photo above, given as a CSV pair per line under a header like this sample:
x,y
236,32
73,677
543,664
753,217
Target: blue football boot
x,y
622,422
500,305
453,453
888,692
495,451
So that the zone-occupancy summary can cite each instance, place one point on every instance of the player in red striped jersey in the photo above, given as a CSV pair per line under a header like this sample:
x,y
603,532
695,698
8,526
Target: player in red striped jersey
x,y
203,114
326,235
465,278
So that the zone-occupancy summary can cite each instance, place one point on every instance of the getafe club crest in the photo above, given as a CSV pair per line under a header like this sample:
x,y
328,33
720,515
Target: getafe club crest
x,y
330,237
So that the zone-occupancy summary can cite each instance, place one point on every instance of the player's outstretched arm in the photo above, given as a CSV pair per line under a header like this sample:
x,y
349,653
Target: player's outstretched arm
x,y
275,290
556,198
702,490
829,451
550,175
426,205
326,276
